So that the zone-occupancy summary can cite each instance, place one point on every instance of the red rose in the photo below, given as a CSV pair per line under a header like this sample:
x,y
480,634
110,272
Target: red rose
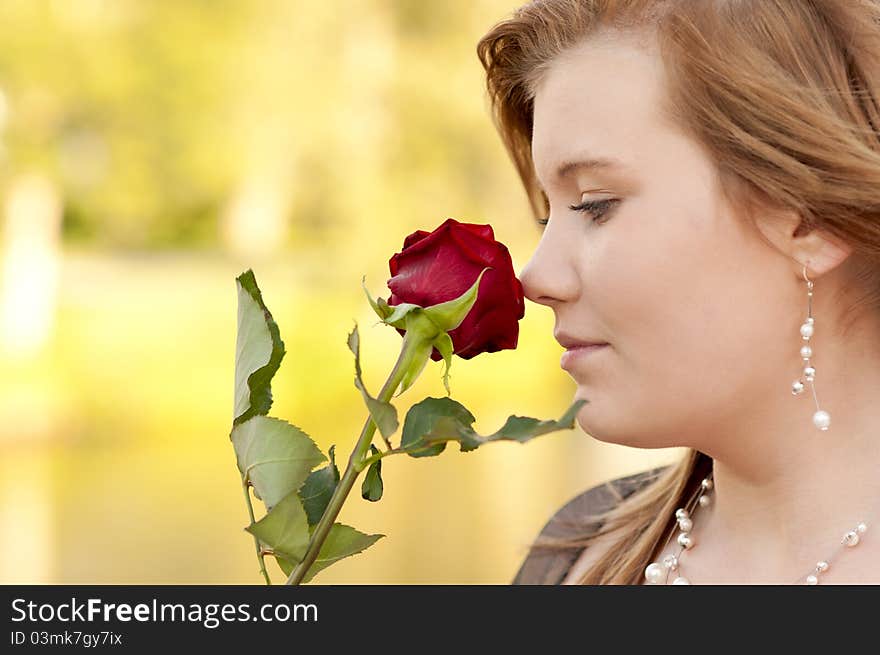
x,y
437,266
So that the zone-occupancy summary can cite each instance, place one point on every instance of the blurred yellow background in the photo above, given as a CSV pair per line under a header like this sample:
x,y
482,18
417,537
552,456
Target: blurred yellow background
x,y
152,151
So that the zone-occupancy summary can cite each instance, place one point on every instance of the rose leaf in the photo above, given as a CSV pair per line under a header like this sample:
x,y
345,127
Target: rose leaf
x,y
372,487
318,489
284,529
432,422
342,541
383,413
258,351
274,456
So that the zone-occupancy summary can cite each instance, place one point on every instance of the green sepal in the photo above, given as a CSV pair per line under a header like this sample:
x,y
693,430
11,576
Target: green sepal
x,y
400,314
382,309
443,317
449,315
419,348
258,351
444,345
432,422
383,413
372,487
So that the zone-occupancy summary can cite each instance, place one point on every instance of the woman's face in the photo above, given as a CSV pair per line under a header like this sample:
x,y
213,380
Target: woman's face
x,y
698,312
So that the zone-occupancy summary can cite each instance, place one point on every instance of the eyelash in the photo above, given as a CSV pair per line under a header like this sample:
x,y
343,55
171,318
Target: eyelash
x,y
598,208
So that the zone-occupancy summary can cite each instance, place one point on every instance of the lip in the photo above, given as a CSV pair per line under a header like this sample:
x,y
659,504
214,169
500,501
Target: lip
x,y
570,341
572,356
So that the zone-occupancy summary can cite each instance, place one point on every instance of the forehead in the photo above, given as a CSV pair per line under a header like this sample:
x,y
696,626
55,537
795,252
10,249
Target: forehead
x,y
600,99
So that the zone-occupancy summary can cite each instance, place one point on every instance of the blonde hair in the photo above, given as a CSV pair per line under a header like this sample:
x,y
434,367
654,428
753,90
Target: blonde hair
x,y
782,96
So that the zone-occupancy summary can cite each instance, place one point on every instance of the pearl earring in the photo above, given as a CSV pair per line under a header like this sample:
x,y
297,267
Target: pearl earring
x,y
821,419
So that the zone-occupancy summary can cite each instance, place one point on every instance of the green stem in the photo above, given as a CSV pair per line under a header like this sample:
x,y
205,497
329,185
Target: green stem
x,y
355,465
393,451
386,440
247,498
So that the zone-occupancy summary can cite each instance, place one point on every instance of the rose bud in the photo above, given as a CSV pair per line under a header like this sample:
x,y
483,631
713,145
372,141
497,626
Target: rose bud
x,y
439,266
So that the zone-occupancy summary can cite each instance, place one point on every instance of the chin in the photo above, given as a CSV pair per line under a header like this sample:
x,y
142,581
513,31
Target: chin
x,y
611,431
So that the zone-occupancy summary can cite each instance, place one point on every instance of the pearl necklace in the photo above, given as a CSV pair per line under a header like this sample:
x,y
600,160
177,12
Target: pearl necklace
x,y
658,573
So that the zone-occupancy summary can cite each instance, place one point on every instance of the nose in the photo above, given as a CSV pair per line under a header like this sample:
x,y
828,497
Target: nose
x,y
550,277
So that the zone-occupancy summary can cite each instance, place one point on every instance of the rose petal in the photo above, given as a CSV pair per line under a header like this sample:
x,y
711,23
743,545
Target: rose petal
x,y
415,237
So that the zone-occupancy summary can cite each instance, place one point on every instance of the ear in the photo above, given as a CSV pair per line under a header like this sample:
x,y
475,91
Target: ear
x,y
807,246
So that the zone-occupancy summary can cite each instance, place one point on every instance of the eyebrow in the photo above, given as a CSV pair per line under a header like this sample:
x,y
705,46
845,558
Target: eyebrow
x,y
567,167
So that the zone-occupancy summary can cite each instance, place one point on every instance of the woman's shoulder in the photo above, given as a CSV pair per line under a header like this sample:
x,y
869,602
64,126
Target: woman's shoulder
x,y
550,566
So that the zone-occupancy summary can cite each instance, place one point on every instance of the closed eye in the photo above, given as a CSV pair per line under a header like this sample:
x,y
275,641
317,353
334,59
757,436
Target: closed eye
x,y
596,208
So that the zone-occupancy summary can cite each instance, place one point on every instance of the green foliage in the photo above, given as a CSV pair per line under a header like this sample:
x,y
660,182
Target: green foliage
x,y
431,423
277,458
284,529
384,414
274,456
372,487
342,541
258,351
318,489
422,420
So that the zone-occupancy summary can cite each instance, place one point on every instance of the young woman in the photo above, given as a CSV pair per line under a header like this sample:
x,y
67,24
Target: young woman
x,y
708,175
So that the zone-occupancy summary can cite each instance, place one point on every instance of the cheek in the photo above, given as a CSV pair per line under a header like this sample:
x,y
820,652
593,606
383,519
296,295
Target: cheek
x,y
695,336
667,278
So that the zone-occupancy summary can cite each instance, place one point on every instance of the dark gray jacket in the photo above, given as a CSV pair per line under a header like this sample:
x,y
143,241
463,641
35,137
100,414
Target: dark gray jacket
x,y
551,567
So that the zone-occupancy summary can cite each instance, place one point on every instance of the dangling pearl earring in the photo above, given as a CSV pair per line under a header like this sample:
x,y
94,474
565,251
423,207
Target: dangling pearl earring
x,y
821,419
